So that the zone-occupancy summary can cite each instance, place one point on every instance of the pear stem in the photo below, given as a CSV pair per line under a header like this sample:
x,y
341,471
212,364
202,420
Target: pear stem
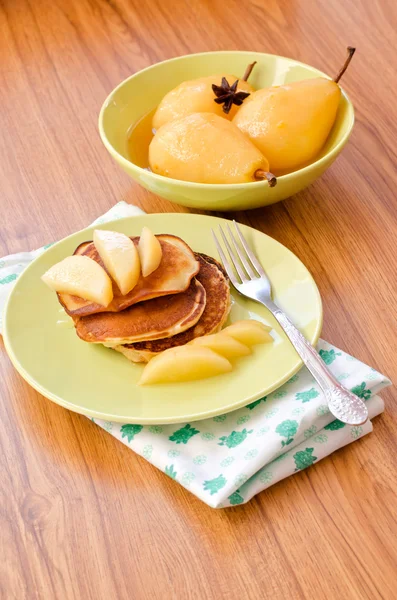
x,y
350,52
248,71
261,174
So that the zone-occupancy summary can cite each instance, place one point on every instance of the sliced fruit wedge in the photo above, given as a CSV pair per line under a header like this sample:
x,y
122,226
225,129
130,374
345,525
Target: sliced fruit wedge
x,y
249,332
223,344
80,276
120,257
150,251
184,363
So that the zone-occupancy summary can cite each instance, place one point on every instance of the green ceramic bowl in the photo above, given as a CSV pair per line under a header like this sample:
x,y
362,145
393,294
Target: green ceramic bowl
x,y
142,92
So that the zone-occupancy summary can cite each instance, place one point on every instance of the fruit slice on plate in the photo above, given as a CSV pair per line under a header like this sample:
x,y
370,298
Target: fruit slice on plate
x,y
184,363
249,332
80,276
223,344
120,257
150,252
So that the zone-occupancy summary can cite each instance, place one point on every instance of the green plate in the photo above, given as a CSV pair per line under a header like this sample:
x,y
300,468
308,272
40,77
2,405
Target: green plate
x,y
99,382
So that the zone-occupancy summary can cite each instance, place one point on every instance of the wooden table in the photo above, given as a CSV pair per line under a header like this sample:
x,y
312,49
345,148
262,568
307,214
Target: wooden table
x,y
81,515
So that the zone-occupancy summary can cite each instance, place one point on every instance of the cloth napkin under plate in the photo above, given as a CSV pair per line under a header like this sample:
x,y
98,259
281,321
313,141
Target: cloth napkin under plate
x,y
228,459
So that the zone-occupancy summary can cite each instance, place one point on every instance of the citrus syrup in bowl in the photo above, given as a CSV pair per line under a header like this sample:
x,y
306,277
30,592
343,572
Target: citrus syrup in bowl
x,y
139,137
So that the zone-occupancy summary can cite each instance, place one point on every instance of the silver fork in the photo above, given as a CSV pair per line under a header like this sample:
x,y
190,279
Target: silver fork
x,y
253,283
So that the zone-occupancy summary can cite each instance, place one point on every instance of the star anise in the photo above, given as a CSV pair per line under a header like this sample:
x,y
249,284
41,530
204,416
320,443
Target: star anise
x,y
228,95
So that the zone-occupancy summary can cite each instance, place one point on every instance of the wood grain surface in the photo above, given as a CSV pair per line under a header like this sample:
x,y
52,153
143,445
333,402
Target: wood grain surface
x,y
81,516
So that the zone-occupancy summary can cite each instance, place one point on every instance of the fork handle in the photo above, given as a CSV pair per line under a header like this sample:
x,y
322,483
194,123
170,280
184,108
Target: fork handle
x,y
343,404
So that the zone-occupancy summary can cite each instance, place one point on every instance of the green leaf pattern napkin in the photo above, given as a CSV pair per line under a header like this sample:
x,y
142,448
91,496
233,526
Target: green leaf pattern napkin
x,y
228,459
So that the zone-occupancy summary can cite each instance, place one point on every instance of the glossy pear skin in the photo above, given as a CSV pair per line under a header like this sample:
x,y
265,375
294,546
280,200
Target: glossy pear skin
x,y
290,123
204,148
195,96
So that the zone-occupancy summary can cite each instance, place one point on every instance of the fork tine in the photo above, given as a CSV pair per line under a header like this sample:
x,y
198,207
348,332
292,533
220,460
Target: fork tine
x,y
233,257
250,253
225,261
241,254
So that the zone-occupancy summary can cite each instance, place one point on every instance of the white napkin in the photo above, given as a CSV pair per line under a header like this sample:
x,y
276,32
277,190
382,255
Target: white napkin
x,y
228,459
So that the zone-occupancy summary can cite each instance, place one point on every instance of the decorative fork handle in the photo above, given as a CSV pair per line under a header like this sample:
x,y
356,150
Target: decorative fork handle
x,y
343,404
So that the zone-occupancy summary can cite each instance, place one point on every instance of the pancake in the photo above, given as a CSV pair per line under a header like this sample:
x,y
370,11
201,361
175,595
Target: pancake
x,y
149,320
217,307
177,268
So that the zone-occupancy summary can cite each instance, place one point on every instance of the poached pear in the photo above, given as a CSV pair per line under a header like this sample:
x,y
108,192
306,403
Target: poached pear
x,y
206,148
290,123
199,95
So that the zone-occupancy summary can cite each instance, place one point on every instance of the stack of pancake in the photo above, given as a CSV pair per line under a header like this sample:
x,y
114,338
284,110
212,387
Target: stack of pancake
x,y
186,297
